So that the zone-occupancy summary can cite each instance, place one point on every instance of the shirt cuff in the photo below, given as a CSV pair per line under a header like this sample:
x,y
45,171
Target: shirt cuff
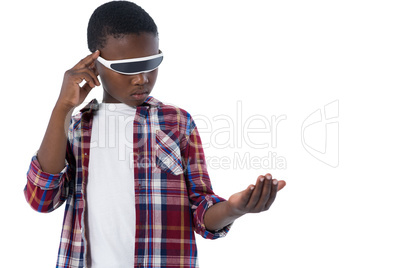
x,y
208,202
42,179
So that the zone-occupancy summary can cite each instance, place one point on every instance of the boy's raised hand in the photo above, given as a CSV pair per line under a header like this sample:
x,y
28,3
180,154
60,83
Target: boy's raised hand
x,y
256,198
72,94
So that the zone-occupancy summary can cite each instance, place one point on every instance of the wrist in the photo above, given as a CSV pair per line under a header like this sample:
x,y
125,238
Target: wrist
x,y
64,108
233,212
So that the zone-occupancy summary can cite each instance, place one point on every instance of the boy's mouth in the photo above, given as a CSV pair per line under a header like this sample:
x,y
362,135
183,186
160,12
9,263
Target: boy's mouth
x,y
139,95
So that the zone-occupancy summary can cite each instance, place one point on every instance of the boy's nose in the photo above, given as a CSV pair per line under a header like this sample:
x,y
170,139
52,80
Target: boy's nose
x,y
139,79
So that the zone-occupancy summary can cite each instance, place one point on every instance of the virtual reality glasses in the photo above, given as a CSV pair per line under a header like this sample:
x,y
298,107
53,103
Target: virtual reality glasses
x,y
133,66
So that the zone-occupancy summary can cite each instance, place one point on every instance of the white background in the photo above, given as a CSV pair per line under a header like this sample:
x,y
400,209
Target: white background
x,y
274,58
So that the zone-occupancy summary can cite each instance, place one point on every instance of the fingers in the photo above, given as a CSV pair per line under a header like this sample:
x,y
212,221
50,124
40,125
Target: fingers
x,y
87,66
72,93
256,194
78,76
264,193
87,87
246,195
85,70
272,196
256,198
87,61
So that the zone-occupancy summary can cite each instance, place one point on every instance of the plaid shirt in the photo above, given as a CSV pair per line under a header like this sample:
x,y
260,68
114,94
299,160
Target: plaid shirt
x,y
172,188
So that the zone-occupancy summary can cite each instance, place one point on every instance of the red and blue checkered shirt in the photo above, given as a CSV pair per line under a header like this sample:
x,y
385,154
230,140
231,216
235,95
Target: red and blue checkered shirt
x,y
172,188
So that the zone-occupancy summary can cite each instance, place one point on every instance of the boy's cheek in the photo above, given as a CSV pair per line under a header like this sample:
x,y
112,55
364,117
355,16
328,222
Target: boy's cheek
x,y
108,76
103,72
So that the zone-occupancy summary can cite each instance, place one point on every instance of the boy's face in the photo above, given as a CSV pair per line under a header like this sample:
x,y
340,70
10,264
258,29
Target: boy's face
x,y
129,89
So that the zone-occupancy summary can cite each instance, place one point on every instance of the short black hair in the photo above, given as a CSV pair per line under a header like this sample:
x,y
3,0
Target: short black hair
x,y
117,18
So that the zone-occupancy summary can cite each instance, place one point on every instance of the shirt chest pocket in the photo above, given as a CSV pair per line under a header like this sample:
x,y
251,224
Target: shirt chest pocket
x,y
168,156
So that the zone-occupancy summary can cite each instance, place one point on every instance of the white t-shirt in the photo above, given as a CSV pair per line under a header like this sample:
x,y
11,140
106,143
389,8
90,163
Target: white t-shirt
x,y
110,188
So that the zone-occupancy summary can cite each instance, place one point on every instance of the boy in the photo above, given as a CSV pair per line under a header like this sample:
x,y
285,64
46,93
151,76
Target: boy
x,y
131,170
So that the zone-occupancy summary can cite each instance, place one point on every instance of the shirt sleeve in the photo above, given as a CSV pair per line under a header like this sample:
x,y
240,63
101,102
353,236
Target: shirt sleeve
x,y
199,185
45,192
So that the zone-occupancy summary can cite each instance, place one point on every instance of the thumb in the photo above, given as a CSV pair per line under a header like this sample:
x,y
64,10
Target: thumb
x,y
246,194
85,89
281,185
240,199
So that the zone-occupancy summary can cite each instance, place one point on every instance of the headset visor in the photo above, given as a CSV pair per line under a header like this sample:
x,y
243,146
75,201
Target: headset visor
x,y
133,66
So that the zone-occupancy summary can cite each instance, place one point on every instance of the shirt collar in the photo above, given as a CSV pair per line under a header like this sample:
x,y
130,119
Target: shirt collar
x,y
94,104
